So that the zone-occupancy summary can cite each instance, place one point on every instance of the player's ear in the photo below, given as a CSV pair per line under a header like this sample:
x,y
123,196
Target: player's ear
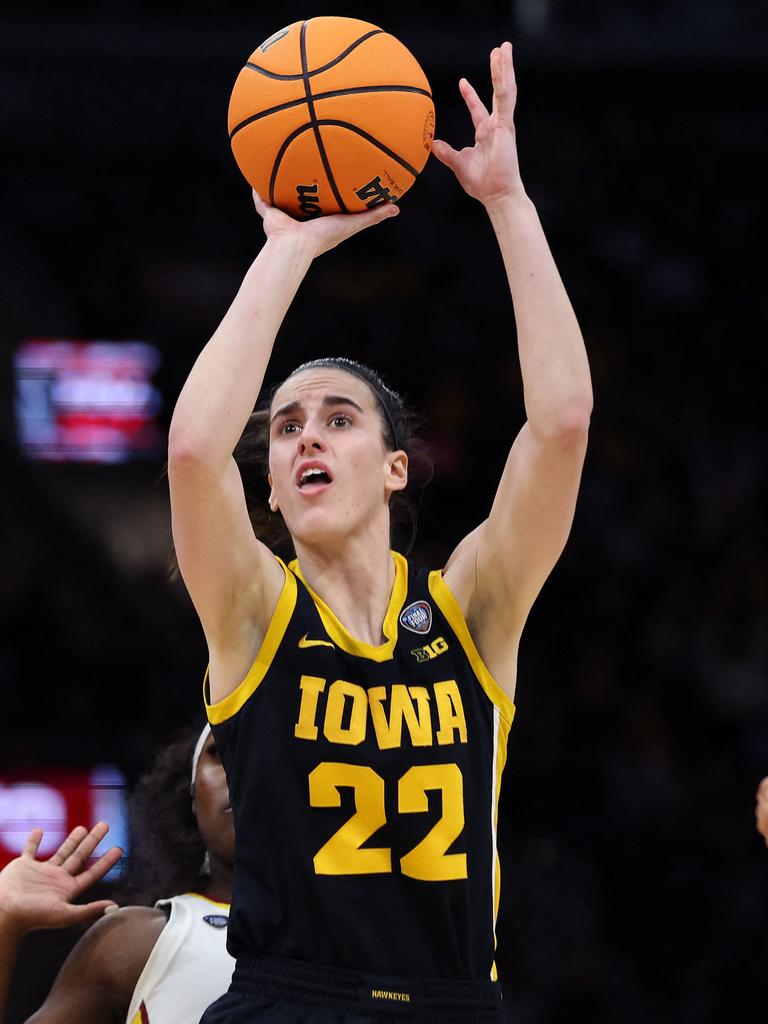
x,y
273,506
397,475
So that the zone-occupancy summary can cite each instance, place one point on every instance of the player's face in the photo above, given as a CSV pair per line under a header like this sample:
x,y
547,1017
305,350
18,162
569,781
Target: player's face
x,y
212,807
331,473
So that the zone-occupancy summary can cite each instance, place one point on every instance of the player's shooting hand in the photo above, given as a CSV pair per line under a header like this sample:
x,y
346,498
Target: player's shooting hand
x,y
489,170
39,893
320,233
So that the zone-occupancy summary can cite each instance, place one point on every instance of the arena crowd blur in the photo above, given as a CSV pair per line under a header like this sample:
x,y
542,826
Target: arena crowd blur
x,y
634,883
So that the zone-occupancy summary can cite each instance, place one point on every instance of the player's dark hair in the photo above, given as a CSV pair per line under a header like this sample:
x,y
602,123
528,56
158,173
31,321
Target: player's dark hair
x,y
399,432
165,849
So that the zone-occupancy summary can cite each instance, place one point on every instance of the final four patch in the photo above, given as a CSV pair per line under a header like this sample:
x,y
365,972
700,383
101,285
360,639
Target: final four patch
x,y
216,920
417,617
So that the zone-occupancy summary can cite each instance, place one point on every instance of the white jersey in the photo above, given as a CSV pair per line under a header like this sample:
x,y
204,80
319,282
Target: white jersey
x,y
189,966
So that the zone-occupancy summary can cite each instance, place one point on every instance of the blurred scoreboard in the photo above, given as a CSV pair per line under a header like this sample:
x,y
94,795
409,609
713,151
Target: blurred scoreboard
x,y
87,401
56,800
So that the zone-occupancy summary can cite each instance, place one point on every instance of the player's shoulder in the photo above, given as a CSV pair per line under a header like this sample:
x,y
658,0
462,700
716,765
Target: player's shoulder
x,y
119,943
100,974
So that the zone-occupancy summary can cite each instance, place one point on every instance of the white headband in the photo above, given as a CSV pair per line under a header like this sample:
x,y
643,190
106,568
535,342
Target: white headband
x,y
198,751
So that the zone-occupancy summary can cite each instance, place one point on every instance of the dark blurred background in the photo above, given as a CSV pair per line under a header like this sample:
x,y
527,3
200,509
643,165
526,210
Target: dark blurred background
x,y
634,884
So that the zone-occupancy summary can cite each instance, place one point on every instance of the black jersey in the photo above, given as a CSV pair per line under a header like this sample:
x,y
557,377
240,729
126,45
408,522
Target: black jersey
x,y
364,781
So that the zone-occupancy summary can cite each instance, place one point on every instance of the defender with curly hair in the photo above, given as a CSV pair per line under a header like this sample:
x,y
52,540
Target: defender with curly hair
x,y
161,957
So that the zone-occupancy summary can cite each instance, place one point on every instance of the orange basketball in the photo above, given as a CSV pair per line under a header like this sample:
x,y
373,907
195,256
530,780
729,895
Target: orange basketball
x,y
331,115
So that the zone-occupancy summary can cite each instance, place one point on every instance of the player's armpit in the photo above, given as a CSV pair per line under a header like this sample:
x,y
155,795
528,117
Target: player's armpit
x,y
498,569
232,578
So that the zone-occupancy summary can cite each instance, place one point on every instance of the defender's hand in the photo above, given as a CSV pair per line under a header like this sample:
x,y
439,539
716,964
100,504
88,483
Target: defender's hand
x,y
320,233
489,170
38,894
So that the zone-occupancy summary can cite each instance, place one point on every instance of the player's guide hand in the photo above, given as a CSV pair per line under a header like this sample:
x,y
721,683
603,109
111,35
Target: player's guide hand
x,y
489,170
39,893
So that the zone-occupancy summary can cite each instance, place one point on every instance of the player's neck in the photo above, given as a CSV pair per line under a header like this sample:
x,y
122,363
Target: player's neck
x,y
219,887
355,582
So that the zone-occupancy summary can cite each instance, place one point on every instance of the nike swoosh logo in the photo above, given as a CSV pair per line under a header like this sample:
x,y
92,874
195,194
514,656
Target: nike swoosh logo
x,y
304,642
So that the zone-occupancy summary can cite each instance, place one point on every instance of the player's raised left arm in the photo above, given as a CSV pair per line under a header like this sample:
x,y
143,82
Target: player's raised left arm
x,y
507,559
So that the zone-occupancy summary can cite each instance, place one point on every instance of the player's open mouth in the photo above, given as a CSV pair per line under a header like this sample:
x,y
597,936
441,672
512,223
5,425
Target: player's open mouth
x,y
312,477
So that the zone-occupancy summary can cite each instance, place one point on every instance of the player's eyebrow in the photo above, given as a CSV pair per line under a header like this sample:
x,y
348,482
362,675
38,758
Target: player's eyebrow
x,y
328,400
285,410
341,400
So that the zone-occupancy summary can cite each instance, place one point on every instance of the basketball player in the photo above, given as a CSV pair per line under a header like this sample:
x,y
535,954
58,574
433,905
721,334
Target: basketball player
x,y
140,964
361,708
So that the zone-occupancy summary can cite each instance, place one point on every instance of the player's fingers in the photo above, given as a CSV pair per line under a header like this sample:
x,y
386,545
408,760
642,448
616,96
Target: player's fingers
x,y
32,843
84,912
477,109
78,857
69,845
98,869
445,154
259,203
503,78
360,221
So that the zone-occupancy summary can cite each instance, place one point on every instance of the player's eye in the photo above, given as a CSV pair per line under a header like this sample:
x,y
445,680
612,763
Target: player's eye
x,y
340,419
289,427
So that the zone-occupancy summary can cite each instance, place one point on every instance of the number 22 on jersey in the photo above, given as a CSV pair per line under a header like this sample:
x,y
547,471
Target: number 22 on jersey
x,y
428,861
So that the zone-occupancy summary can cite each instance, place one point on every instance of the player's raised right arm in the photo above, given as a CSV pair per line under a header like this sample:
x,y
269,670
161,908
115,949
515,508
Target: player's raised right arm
x,y
232,578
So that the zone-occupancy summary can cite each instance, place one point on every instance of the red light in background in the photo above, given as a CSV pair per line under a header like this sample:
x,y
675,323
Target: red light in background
x,y
87,401
57,800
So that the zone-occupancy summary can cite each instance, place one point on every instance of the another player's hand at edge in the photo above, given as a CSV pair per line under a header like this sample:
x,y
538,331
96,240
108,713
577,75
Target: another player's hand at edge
x,y
320,233
38,893
489,170
761,809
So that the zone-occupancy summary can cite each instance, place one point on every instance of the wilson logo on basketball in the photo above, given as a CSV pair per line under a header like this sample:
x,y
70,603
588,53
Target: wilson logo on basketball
x,y
309,202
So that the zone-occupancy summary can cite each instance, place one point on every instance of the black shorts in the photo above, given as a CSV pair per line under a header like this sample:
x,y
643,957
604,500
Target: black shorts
x,y
273,990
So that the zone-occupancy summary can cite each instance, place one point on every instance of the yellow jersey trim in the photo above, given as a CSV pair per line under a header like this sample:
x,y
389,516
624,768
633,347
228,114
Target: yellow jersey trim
x,y
343,638
207,899
502,735
449,606
231,704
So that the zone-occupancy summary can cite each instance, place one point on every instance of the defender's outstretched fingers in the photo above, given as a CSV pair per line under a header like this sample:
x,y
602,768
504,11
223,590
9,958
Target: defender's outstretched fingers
x,y
98,869
32,843
79,856
477,109
69,845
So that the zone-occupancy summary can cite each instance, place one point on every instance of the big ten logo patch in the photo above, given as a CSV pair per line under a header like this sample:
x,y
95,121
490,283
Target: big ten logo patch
x,y
381,189
430,651
309,201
